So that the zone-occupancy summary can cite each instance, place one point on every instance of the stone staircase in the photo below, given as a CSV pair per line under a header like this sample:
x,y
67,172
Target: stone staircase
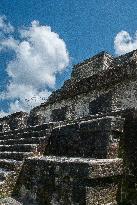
x,y
15,147
81,165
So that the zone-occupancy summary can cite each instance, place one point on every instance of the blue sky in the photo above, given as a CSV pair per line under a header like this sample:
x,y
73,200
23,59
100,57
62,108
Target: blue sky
x,y
87,27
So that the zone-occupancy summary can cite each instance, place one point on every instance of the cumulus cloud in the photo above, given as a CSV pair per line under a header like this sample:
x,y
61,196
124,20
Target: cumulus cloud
x,y
124,42
39,55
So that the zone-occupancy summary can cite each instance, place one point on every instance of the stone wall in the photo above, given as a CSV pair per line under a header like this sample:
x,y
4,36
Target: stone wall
x,y
118,98
124,96
18,120
98,138
91,66
75,108
129,155
65,181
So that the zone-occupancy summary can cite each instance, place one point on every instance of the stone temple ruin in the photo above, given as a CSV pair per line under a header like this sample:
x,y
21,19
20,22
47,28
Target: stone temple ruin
x,y
80,146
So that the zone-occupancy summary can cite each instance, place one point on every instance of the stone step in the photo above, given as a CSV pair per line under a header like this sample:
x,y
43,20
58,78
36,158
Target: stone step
x,y
10,164
15,155
18,147
24,135
37,128
32,140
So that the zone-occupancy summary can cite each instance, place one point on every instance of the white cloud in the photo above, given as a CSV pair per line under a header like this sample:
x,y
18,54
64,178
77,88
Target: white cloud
x,y
39,56
5,26
124,43
8,43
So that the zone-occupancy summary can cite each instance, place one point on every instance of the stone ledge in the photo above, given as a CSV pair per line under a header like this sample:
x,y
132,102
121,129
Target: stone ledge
x,y
105,123
85,167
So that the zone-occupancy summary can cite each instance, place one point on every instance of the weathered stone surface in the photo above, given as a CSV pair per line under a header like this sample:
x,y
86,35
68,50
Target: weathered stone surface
x,y
61,180
15,146
15,121
129,155
89,67
85,119
92,138
9,201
